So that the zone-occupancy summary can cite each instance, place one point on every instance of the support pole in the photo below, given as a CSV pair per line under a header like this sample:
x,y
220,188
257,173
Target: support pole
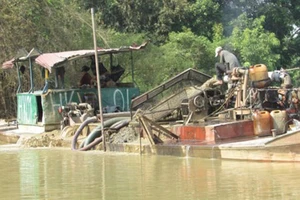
x,y
19,79
98,79
132,68
31,77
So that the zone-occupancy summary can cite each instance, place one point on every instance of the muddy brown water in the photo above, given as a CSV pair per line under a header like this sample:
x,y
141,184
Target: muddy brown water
x,y
66,174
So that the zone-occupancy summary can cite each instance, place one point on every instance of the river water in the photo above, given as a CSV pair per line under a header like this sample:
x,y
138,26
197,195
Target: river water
x,y
65,174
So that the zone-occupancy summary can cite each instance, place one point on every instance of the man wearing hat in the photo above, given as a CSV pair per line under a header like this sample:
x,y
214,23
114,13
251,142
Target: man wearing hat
x,y
226,59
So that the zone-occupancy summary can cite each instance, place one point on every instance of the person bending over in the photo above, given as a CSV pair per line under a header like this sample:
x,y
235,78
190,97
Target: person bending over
x,y
226,59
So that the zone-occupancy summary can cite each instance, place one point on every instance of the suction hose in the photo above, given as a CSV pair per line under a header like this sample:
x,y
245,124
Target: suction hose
x,y
78,131
120,124
97,131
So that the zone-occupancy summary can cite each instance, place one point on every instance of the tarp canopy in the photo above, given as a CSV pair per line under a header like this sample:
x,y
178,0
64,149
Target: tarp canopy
x,y
50,60
22,55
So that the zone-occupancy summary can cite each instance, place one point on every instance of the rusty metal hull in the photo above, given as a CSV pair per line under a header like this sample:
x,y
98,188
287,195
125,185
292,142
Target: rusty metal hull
x,y
245,151
283,148
230,140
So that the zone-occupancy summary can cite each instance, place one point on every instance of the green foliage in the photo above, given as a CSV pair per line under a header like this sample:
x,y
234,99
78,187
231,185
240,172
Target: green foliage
x,y
201,16
218,32
184,50
148,68
254,44
116,39
281,18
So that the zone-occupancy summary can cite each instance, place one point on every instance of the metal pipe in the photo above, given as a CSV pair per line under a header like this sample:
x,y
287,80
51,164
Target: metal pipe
x,y
45,89
245,84
111,61
132,68
19,79
56,79
31,77
287,81
242,71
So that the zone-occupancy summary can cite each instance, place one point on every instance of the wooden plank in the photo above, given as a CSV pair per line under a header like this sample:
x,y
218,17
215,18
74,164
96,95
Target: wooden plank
x,y
147,130
165,131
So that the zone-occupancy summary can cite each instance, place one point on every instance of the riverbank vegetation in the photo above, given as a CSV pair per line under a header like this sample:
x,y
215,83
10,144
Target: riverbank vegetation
x,y
182,33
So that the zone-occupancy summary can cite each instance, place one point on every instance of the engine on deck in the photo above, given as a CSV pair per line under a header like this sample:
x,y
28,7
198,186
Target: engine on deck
x,y
202,104
75,113
249,89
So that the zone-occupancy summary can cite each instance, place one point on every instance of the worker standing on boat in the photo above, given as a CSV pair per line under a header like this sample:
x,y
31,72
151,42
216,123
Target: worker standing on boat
x,y
86,78
228,61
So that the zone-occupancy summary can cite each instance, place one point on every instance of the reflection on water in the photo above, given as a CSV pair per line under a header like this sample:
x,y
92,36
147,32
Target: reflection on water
x,y
66,174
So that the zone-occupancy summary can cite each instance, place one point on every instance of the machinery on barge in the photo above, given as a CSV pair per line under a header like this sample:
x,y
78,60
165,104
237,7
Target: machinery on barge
x,y
189,109
267,98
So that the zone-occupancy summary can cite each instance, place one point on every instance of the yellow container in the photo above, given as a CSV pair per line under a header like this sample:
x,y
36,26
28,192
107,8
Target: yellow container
x,y
279,121
262,123
258,72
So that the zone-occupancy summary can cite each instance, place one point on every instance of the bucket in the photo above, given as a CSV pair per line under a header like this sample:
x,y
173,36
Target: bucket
x,y
279,121
258,72
262,123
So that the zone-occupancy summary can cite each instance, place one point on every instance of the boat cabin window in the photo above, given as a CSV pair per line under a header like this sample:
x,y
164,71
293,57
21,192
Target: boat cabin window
x,y
81,73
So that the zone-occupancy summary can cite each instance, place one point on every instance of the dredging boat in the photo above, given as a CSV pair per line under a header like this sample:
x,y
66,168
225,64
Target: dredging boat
x,y
249,119
254,116
39,108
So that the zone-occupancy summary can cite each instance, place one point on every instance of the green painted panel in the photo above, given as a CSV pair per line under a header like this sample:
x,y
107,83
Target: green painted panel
x,y
111,97
118,97
27,109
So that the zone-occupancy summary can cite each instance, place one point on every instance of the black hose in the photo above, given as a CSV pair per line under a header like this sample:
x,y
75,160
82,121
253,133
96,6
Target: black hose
x,y
81,127
119,123
97,131
91,145
116,126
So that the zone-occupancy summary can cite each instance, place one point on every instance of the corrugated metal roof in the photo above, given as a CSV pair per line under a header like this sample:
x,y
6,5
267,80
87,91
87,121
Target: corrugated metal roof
x,y
8,64
49,60
22,55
